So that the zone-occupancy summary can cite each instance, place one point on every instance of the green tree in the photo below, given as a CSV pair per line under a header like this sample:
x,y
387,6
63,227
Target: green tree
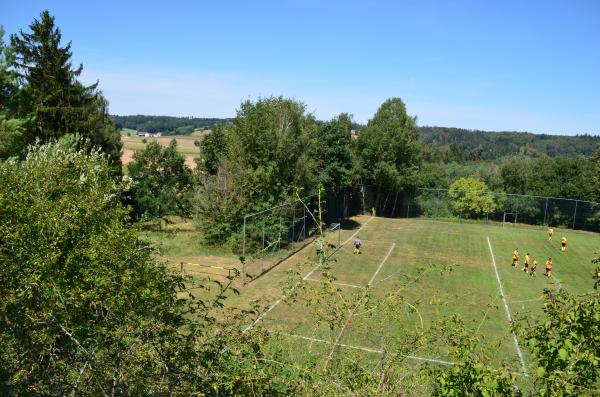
x,y
9,85
334,153
14,126
563,176
516,174
60,103
469,198
264,156
389,149
212,148
162,183
568,354
85,308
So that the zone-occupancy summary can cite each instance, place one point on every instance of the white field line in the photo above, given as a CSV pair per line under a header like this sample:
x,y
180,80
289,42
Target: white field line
x,y
382,242
367,349
528,300
334,282
278,301
349,319
388,277
508,315
381,264
356,232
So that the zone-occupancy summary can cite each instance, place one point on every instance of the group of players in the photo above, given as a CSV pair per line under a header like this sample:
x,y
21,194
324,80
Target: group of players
x,y
530,266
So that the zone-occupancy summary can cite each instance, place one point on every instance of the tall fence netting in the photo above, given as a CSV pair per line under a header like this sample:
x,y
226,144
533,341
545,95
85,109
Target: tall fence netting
x,y
272,235
506,208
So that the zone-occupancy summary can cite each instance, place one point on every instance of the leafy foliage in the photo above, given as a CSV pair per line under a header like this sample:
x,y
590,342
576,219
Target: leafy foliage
x,y
161,182
389,149
566,177
471,375
469,198
85,309
212,148
335,153
566,344
265,158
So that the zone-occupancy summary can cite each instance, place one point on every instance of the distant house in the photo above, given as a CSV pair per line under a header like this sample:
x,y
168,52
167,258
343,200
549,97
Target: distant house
x,y
353,132
143,134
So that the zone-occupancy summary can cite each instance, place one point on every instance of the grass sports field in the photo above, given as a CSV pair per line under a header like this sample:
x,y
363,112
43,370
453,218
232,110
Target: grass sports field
x,y
394,271
359,306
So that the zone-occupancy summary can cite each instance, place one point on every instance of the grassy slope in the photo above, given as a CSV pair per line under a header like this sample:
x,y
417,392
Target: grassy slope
x,y
470,290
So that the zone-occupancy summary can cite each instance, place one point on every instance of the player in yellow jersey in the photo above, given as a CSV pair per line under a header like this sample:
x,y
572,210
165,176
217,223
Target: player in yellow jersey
x,y
549,265
533,267
526,263
550,233
515,257
563,244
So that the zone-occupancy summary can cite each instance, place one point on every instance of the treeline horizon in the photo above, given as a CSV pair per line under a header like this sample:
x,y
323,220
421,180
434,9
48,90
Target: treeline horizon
x,y
447,143
170,125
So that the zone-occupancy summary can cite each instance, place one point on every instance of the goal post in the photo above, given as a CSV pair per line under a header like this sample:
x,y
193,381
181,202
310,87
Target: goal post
x,y
274,234
509,217
336,229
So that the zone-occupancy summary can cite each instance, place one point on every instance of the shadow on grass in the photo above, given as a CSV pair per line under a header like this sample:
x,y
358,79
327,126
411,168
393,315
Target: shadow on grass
x,y
349,224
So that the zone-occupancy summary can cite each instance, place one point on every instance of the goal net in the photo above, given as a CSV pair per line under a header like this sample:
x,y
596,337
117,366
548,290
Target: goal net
x,y
274,234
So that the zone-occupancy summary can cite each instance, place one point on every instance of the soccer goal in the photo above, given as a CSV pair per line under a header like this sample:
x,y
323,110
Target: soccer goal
x,y
336,229
510,218
274,234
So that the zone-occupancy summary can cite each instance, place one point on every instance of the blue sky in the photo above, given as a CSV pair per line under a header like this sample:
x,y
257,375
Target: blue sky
x,y
495,65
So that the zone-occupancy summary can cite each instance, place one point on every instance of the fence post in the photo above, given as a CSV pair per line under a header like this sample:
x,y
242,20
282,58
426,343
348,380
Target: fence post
x,y
487,213
263,235
545,211
294,222
408,208
575,214
394,208
303,222
279,240
362,191
244,253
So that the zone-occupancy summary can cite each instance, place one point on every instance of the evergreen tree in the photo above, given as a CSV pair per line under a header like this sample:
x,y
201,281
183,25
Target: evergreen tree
x,y
60,103
14,126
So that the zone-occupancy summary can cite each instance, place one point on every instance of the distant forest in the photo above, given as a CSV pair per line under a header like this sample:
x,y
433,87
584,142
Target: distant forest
x,y
444,144
168,125
457,144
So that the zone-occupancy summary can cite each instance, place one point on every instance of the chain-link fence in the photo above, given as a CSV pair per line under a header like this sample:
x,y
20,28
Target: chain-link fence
x,y
505,207
274,234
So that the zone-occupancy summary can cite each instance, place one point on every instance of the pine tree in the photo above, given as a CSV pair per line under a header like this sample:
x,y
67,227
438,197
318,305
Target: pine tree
x,y
61,104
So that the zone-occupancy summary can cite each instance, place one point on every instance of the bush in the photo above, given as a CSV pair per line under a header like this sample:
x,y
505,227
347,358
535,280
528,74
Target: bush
x,y
469,198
